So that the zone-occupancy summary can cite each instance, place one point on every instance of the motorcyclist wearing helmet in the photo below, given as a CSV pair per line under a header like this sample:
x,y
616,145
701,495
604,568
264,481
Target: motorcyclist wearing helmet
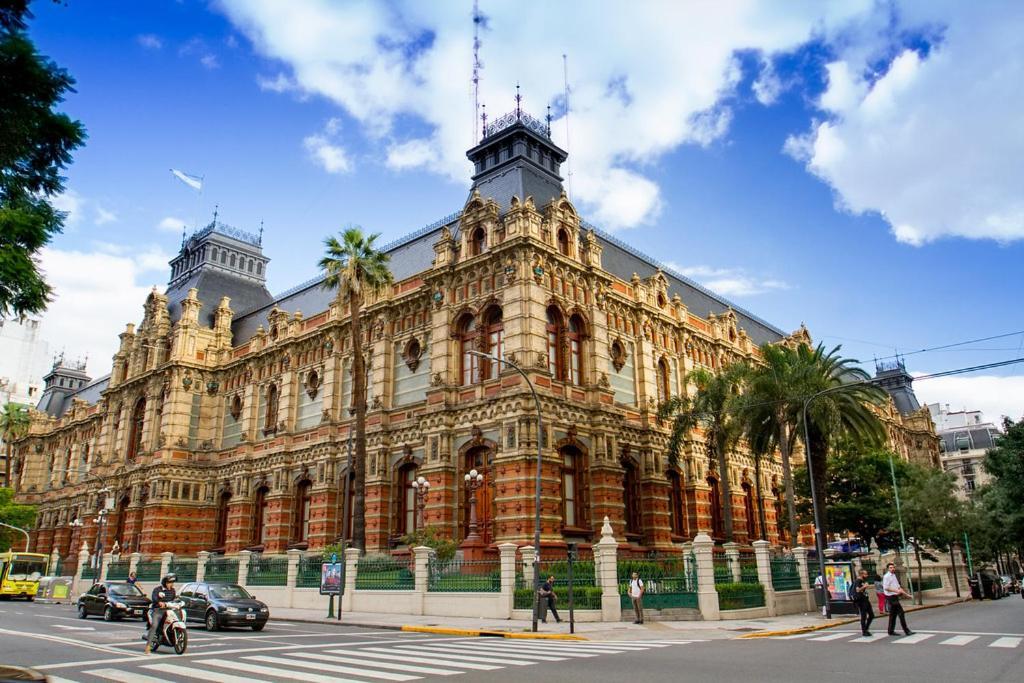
x,y
162,594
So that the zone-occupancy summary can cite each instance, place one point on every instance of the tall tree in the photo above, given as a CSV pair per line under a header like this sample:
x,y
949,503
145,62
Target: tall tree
x,y
841,408
14,422
36,143
931,511
21,516
1002,499
354,267
713,410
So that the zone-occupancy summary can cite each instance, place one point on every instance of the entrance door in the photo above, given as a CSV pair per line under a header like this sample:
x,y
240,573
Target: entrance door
x,y
479,459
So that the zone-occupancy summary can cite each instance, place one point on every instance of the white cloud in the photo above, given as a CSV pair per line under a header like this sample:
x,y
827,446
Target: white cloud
x,y
279,83
768,86
210,61
658,81
171,224
104,216
994,395
71,203
323,151
149,41
95,294
729,281
930,142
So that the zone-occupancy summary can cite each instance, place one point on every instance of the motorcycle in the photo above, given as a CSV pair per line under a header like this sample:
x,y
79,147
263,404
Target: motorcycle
x,y
174,631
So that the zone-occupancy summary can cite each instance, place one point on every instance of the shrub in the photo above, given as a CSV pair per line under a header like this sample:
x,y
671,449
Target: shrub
x,y
740,595
444,548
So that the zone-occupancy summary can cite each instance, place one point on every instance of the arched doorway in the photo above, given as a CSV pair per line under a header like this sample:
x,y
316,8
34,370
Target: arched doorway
x,y
677,503
480,459
259,516
122,514
303,508
575,514
405,499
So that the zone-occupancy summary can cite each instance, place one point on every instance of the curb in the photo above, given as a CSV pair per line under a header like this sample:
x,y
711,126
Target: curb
x,y
821,627
490,633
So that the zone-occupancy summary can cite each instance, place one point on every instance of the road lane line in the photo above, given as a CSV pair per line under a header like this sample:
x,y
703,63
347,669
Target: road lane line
x,y
389,655
959,640
516,651
874,637
63,641
916,638
474,655
380,665
834,636
123,676
1006,642
190,674
320,666
284,674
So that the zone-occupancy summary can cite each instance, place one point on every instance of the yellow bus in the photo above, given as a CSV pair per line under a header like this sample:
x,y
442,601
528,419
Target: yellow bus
x,y
20,573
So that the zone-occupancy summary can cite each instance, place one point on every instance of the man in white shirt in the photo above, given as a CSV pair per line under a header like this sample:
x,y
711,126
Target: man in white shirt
x,y
636,594
893,590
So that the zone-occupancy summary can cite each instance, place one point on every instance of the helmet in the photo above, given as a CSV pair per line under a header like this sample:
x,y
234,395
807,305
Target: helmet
x,y
168,579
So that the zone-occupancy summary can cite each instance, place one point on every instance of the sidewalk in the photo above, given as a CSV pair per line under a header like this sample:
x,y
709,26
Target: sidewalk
x,y
652,630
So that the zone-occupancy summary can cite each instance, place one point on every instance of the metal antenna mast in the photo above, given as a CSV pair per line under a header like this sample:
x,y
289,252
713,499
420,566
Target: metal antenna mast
x,y
568,161
477,65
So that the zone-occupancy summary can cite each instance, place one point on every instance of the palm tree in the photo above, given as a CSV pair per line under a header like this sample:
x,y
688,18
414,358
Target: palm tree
x,y
354,267
712,409
843,412
14,422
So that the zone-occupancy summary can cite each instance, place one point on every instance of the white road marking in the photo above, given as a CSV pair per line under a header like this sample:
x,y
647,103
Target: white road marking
x,y
320,666
63,641
58,679
834,636
474,655
380,665
516,650
123,676
74,628
1006,642
433,659
916,638
284,674
958,640
190,674
870,639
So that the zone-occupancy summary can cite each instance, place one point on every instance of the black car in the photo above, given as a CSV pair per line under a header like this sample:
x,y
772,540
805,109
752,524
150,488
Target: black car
x,y
114,600
223,604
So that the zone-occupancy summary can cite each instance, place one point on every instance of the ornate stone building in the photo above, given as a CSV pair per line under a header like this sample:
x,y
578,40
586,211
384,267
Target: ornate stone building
x,y
225,421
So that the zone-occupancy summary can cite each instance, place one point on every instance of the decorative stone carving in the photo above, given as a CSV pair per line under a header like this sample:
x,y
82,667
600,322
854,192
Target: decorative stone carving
x,y
312,384
236,407
412,353
602,381
618,352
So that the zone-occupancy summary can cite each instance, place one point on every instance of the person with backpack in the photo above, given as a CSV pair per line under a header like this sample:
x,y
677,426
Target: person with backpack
x,y
636,594
548,597
859,595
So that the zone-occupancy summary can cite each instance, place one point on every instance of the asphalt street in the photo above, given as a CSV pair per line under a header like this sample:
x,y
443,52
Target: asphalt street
x,y
969,642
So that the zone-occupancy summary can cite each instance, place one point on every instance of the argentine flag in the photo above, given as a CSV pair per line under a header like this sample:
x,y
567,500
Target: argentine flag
x,y
193,181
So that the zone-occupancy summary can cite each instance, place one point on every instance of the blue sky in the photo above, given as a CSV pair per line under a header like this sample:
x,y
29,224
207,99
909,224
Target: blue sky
x,y
856,168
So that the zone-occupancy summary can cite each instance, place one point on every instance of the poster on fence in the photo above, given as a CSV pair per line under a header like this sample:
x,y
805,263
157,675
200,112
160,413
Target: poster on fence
x,y
838,577
330,578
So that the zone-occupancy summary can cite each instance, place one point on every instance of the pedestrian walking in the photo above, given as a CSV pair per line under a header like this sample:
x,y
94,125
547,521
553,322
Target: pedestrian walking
x,y
863,602
547,594
880,594
636,594
893,592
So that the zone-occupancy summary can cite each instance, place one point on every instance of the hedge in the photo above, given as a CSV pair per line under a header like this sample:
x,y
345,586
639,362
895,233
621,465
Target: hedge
x,y
584,597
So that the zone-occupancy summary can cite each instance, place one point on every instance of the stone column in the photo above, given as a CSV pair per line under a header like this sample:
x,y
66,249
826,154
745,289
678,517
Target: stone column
x,y
351,567
294,556
687,551
103,569
800,553
165,564
133,562
54,559
707,596
508,577
732,554
201,559
607,550
243,567
83,560
421,570
762,553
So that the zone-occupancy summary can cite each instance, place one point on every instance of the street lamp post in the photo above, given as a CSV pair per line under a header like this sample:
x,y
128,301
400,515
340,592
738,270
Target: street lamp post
x,y
819,532
536,502
474,480
421,486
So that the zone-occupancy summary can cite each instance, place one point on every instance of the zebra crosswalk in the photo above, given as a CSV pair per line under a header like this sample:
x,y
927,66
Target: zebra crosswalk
x,y
397,662
947,639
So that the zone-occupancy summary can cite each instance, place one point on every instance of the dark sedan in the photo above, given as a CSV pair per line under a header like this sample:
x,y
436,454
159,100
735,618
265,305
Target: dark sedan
x,y
223,604
114,600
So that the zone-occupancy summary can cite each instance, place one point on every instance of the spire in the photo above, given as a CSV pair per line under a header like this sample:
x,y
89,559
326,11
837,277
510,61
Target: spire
x,y
519,102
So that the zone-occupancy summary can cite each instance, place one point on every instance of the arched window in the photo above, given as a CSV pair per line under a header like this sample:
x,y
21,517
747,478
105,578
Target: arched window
x,y
223,257
405,508
573,504
233,260
677,506
259,268
664,387
122,514
563,242
83,464
576,334
468,341
477,242
554,330
270,417
749,507
631,498
259,516
303,507
495,341
138,422
715,500
221,536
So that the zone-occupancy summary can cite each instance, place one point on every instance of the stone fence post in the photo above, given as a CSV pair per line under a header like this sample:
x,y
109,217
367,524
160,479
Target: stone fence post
x,y
165,564
529,555
243,567
294,557
800,554
707,595
351,567
133,562
606,552
507,561
732,556
421,569
202,557
762,553
54,560
83,560
105,566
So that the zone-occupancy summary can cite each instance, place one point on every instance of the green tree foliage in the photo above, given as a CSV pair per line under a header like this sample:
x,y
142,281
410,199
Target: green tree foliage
x,y
997,520
14,423
21,516
354,267
932,514
431,537
714,409
35,146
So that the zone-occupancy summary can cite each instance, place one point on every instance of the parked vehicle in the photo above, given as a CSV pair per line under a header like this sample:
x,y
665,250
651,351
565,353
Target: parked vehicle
x,y
991,584
1010,584
223,604
174,631
114,600
20,574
